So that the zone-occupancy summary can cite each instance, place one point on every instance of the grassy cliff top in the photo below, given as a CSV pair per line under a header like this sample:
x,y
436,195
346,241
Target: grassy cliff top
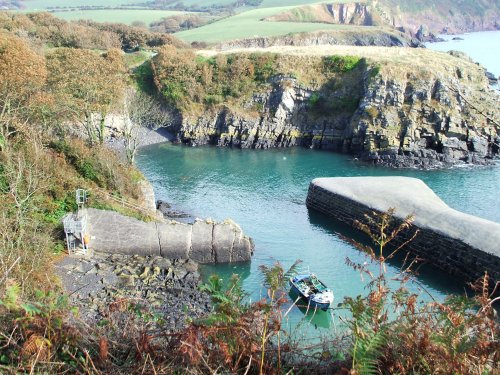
x,y
391,60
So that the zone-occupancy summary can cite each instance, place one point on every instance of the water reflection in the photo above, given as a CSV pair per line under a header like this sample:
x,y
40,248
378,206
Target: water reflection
x,y
225,271
314,316
429,276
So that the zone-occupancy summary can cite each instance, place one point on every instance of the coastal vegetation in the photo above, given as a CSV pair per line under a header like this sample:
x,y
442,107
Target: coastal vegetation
x,y
42,162
193,83
58,83
387,330
327,98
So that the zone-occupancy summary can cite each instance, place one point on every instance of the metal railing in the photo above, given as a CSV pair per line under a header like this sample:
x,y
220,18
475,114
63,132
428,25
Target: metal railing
x,y
123,202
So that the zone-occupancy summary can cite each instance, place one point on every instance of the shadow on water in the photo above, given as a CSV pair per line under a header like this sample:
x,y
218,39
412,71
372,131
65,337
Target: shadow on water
x,y
225,271
316,317
428,275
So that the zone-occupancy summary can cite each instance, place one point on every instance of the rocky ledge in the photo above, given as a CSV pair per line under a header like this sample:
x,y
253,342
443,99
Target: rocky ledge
x,y
168,287
399,107
367,37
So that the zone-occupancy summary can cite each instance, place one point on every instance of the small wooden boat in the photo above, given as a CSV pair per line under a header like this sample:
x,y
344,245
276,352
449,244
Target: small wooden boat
x,y
309,287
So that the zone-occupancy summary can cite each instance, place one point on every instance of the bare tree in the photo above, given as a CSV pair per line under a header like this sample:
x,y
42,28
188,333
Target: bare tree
x,y
144,114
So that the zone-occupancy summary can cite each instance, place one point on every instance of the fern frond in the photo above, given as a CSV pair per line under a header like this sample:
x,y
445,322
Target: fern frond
x,y
11,297
368,348
292,270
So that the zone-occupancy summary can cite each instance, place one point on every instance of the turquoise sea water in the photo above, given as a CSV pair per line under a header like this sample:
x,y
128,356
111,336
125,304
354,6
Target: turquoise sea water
x,y
265,191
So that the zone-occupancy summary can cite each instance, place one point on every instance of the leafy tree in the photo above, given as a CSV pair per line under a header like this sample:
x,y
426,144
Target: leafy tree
x,y
22,73
144,114
88,84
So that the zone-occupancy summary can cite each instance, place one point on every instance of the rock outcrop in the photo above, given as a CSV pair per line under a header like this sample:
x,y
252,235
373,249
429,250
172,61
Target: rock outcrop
x,y
170,288
204,241
441,17
427,110
421,18
374,36
355,13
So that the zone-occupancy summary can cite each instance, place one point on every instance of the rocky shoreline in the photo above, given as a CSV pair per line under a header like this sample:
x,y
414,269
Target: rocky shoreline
x,y
115,141
379,112
170,288
424,159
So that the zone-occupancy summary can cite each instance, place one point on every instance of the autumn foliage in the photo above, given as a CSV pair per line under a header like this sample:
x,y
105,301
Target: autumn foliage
x,y
187,81
50,89
46,29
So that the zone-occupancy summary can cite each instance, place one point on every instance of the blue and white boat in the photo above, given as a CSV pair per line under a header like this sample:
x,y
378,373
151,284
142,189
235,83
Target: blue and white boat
x,y
310,288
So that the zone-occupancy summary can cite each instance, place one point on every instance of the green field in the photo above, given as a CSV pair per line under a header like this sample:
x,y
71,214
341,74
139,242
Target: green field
x,y
126,16
32,5
248,24
47,4
280,3
206,2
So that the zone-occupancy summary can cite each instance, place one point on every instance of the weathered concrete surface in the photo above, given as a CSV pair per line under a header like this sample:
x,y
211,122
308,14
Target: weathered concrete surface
x,y
112,232
461,244
175,240
203,241
149,196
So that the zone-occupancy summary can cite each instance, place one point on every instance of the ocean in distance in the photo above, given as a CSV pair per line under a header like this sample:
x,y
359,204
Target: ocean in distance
x,y
483,47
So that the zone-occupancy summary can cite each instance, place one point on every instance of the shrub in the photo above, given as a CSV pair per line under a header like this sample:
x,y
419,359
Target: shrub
x,y
345,104
4,185
341,64
213,99
372,112
374,71
457,336
186,79
314,99
40,330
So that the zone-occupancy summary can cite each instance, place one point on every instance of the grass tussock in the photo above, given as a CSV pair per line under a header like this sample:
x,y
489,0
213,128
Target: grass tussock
x,y
392,61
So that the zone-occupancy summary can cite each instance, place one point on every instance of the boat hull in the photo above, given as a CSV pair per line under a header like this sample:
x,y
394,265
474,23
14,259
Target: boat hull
x,y
310,301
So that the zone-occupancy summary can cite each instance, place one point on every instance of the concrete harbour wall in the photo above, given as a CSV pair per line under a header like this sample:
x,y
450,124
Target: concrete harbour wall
x,y
204,241
462,245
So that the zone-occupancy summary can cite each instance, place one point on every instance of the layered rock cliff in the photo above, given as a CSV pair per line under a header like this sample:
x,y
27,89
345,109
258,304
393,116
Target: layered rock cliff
x,y
372,36
403,108
444,16
422,18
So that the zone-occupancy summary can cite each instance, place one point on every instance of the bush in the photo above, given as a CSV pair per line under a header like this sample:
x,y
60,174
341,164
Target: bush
x,y
314,99
4,185
211,100
186,79
341,64
345,104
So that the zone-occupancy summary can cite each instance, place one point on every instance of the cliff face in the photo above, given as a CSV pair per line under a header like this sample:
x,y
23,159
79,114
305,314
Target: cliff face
x,y
337,13
374,36
426,121
436,113
444,16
